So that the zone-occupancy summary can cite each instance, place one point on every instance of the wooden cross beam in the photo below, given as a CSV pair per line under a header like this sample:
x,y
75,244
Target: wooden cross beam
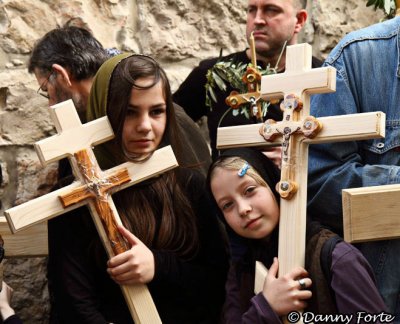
x,y
371,213
31,242
294,133
93,187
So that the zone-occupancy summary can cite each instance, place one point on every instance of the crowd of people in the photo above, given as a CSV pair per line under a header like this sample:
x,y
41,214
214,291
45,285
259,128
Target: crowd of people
x,y
195,232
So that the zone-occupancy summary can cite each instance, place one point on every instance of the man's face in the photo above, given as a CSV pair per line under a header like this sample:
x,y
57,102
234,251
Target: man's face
x,y
273,22
57,91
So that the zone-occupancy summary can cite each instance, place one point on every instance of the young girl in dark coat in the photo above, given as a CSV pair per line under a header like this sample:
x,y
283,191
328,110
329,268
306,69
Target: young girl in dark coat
x,y
243,183
177,246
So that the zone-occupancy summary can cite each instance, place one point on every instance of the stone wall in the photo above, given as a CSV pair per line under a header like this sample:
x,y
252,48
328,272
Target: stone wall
x,y
179,33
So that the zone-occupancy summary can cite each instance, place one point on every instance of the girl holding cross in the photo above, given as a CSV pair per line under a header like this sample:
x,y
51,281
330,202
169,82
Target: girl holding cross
x,y
176,245
243,183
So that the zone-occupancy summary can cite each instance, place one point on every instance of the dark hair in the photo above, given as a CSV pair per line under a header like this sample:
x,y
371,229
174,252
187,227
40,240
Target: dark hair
x,y
71,47
123,79
158,211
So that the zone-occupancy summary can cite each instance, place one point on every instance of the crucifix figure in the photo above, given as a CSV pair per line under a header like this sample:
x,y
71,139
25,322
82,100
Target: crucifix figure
x,y
92,187
294,133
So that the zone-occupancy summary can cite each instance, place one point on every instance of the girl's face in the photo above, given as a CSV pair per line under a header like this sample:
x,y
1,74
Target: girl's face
x,y
249,208
146,118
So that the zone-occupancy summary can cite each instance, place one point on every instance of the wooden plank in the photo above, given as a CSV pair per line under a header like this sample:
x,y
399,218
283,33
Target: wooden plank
x,y
29,243
334,128
371,213
261,274
49,206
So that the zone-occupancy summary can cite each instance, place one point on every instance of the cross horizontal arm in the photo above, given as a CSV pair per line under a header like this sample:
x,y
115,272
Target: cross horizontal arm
x,y
29,243
334,128
49,206
362,222
272,84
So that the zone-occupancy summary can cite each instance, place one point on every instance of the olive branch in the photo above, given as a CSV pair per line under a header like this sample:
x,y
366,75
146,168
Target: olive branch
x,y
388,6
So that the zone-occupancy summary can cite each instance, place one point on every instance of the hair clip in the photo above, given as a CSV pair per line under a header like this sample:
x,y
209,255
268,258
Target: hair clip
x,y
243,169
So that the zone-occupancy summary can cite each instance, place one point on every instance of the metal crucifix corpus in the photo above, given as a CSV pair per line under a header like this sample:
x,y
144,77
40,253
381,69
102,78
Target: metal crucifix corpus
x,y
92,187
294,133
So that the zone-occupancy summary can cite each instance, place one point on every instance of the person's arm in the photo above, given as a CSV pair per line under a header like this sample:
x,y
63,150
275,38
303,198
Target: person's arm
x,y
191,95
258,312
353,282
5,299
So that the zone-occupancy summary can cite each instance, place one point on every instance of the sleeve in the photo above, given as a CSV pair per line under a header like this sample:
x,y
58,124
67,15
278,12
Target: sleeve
x,y
232,306
200,280
258,312
353,282
70,275
335,166
13,319
191,95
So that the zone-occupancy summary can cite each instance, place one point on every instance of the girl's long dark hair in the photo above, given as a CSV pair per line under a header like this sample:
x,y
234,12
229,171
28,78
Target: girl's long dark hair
x,y
157,211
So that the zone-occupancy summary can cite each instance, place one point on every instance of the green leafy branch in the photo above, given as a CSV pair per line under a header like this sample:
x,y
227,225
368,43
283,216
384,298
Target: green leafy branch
x,y
388,6
230,73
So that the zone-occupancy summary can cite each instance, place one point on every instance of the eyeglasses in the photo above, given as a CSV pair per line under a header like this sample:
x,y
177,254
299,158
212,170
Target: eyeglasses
x,y
41,91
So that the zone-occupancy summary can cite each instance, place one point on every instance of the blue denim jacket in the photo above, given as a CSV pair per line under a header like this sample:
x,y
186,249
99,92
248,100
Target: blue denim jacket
x,y
368,71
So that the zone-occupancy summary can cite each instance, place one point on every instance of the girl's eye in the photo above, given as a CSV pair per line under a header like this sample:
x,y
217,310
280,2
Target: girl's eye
x,y
130,112
158,111
226,205
249,190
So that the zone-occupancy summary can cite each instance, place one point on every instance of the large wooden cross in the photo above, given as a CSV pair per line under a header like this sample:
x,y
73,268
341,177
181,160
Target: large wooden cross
x,y
295,132
93,187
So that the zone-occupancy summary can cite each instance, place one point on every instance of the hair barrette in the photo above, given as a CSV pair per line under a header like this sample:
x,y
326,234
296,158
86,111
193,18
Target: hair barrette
x,y
243,169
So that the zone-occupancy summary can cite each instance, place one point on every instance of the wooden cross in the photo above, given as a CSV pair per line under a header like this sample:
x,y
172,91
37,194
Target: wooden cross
x,y
93,187
252,79
371,213
294,133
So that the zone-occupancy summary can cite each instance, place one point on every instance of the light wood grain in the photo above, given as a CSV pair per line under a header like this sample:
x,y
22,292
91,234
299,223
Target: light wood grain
x,y
29,243
371,213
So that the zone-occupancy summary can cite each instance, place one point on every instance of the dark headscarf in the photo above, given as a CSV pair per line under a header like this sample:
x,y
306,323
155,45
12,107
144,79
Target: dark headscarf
x,y
108,154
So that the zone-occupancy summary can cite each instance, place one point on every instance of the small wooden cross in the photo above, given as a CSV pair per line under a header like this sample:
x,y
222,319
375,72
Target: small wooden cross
x,y
94,188
294,133
252,78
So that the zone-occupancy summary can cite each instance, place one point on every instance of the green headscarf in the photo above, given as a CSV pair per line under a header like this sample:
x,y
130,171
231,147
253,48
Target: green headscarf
x,y
108,154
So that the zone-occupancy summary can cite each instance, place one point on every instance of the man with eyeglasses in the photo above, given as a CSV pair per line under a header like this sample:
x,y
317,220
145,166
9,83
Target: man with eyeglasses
x,y
64,62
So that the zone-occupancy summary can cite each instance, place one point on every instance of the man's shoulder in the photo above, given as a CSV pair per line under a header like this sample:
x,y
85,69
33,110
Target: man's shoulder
x,y
377,32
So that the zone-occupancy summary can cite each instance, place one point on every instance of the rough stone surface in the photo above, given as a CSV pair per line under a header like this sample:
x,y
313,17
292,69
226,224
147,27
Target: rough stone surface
x,y
179,33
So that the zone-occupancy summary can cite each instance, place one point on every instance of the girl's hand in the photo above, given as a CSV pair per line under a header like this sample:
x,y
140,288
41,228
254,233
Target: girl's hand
x,y
284,294
133,266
